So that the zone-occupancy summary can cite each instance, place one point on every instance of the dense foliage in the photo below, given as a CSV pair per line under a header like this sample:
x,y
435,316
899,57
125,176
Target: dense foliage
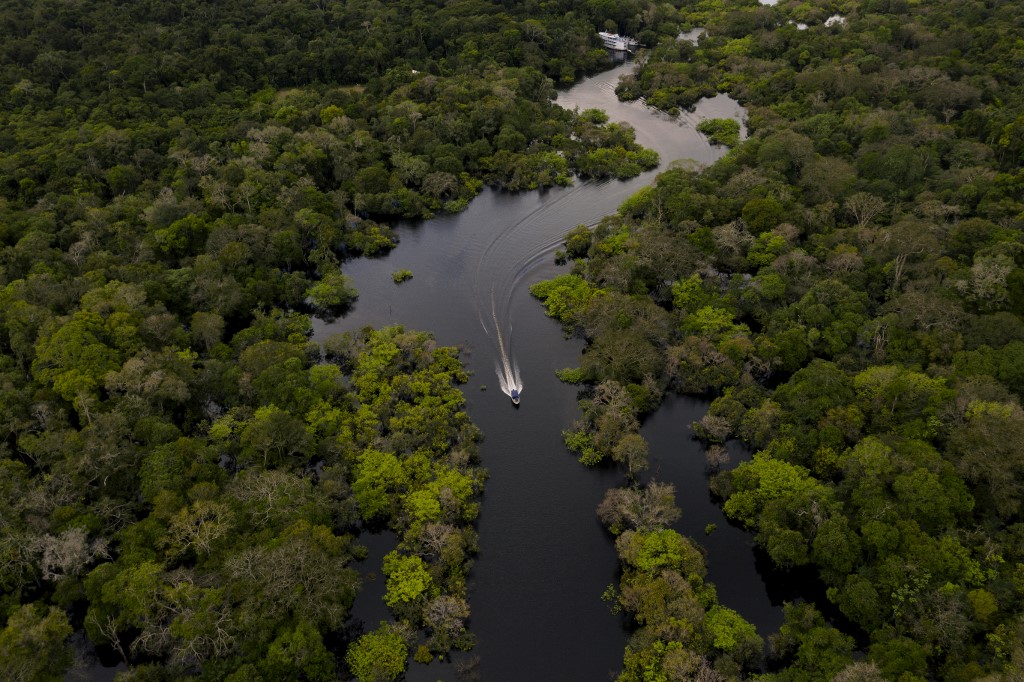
x,y
682,632
849,285
254,467
326,111
183,471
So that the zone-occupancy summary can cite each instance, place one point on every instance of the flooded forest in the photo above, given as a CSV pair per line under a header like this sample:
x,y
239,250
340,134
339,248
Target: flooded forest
x,y
512,341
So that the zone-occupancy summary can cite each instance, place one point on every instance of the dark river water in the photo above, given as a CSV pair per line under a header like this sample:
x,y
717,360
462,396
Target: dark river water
x,y
544,559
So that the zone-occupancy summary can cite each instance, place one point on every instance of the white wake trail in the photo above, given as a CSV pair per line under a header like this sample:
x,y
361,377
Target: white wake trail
x,y
505,367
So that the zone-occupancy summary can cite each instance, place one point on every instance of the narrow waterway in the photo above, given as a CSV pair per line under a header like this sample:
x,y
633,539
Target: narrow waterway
x,y
544,559
734,566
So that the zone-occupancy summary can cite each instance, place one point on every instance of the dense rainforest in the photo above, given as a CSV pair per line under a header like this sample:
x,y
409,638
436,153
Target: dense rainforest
x,y
848,285
184,472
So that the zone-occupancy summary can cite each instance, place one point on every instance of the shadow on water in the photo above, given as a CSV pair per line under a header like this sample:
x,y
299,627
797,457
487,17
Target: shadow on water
x,y
744,575
544,558
733,563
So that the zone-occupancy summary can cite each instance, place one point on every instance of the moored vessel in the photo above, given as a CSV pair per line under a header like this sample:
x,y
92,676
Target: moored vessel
x,y
613,41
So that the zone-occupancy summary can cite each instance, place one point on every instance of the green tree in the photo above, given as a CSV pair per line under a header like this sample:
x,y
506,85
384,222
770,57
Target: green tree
x,y
724,131
74,358
809,647
408,579
299,655
732,634
565,298
378,656
332,294
380,476
34,644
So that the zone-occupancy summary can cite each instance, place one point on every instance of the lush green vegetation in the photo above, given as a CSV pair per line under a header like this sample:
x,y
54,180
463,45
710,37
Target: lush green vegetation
x,y
682,632
725,131
204,509
327,113
183,471
848,284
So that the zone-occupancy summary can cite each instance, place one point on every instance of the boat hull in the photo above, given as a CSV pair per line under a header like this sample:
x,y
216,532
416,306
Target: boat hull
x,y
613,41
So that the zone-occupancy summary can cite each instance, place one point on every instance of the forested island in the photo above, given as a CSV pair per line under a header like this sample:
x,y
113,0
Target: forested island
x,y
186,472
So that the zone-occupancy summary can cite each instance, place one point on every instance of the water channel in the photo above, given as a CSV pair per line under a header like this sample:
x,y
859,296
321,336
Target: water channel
x,y
544,559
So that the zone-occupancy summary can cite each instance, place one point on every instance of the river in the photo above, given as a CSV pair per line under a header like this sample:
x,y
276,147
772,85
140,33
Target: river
x,y
544,559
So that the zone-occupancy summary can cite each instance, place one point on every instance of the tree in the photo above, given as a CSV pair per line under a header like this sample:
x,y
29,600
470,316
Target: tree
x,y
380,476
808,646
785,152
578,241
166,613
859,672
207,329
631,452
69,553
813,390
408,579
74,357
565,298
762,215
446,617
896,656
904,243
724,131
332,294
33,645
299,654
378,656
985,453
986,284
899,398
732,634
639,508
301,573
864,208
657,550
272,436
764,480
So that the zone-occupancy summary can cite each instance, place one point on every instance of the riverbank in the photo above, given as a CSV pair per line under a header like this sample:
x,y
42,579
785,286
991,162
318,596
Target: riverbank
x,y
544,559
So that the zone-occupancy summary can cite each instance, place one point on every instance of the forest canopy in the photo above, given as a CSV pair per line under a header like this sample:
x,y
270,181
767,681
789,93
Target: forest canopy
x,y
185,471
848,286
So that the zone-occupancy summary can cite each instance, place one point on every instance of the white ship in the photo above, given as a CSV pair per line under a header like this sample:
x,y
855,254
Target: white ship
x,y
613,41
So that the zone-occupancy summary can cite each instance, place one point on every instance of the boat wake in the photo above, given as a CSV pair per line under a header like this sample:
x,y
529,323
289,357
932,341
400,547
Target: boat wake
x,y
505,366
530,241
508,376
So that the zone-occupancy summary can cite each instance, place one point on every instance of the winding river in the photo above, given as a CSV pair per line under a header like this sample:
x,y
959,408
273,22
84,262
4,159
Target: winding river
x,y
544,559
